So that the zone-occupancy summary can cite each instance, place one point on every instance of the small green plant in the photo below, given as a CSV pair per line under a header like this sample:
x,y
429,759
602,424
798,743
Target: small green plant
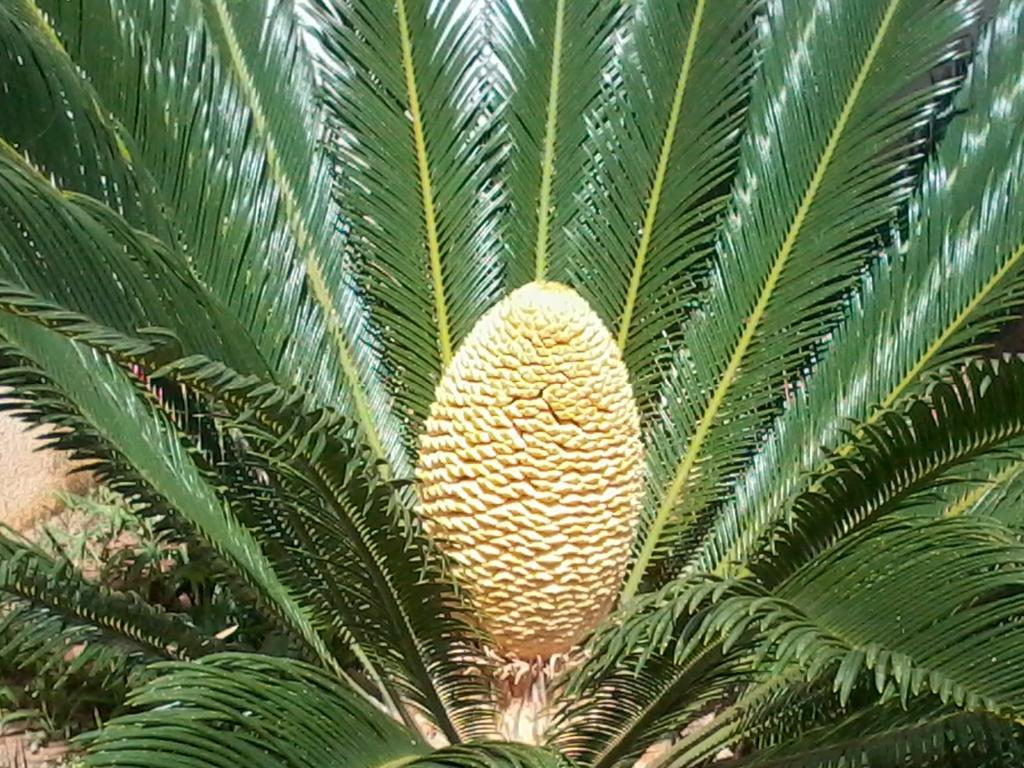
x,y
126,549
111,544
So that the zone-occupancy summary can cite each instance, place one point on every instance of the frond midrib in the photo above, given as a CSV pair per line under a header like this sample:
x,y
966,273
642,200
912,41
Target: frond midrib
x,y
444,336
654,200
300,232
548,157
731,373
398,762
1001,478
948,332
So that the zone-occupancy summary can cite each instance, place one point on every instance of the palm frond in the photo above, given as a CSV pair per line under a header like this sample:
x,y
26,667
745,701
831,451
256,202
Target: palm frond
x,y
51,115
344,543
897,463
929,301
661,167
72,664
225,92
828,159
609,716
273,713
259,503
106,402
30,397
556,57
873,605
236,474
802,724
54,586
385,585
867,612
744,718
44,231
986,473
417,147
255,709
924,734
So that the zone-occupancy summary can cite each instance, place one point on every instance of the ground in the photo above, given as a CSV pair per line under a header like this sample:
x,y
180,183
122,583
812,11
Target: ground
x,y
32,481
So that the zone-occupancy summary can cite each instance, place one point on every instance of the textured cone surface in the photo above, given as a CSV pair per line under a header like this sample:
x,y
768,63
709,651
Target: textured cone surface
x,y
530,469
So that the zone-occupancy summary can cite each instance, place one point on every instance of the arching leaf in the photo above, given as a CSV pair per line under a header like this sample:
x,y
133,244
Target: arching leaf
x,y
416,146
826,162
660,168
273,713
220,117
556,56
928,301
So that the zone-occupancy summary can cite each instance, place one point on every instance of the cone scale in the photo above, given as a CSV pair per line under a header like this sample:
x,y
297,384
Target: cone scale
x,y
531,470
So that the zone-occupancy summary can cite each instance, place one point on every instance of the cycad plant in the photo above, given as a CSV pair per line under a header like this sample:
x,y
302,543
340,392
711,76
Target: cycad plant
x,y
628,356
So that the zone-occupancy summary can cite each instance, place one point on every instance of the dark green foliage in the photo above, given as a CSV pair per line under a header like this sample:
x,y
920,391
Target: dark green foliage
x,y
275,712
233,267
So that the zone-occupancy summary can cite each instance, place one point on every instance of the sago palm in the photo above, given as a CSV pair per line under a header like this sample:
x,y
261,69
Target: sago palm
x,y
608,375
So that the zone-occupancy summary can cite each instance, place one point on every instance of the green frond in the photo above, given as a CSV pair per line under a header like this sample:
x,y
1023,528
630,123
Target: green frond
x,y
744,719
780,709
29,575
660,170
610,715
888,734
31,397
342,542
876,601
385,585
802,725
873,607
44,233
896,463
225,92
254,709
255,476
827,160
81,642
274,713
106,400
557,57
412,109
52,116
649,673
931,300
74,664
869,612
149,346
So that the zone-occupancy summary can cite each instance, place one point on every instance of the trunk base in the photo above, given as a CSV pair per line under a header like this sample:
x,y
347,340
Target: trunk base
x,y
523,689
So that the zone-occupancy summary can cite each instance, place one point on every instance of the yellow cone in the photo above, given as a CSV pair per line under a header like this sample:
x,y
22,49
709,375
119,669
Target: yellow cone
x,y
531,467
